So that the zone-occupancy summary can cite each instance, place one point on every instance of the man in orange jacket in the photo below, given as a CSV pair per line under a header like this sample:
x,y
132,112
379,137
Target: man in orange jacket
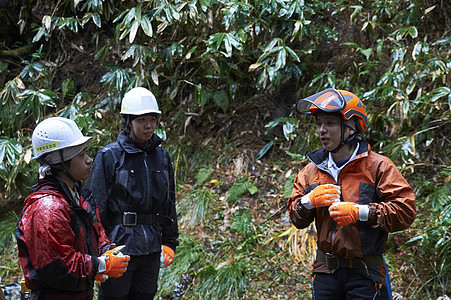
x,y
354,195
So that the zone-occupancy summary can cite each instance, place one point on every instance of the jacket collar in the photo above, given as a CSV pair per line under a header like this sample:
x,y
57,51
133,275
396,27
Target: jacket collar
x,y
130,146
320,156
53,184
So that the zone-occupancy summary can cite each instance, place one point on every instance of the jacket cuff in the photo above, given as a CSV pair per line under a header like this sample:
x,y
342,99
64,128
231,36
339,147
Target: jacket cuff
x,y
305,202
102,264
364,212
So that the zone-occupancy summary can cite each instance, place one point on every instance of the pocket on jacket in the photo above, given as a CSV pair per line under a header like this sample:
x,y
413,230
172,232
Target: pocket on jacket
x,y
122,179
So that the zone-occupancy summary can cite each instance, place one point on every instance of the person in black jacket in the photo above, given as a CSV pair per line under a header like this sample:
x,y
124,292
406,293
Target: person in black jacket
x,y
133,182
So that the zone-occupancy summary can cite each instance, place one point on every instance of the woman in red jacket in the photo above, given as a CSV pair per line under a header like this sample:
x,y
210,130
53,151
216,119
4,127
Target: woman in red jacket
x,y
62,244
354,195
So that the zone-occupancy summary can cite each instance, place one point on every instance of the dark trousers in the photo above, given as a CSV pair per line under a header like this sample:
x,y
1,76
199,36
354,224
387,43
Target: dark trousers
x,y
347,284
139,282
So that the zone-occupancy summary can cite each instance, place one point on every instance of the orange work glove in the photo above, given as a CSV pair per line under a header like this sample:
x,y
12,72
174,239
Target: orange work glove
x,y
345,213
116,263
167,255
322,195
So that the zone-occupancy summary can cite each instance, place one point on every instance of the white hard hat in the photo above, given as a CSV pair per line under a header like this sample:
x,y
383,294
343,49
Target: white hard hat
x,y
55,134
139,101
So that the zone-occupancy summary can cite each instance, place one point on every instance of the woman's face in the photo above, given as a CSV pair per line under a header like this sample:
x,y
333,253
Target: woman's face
x,y
142,128
80,166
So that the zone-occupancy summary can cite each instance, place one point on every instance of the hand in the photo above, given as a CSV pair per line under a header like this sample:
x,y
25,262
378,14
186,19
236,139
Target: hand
x,y
100,278
322,195
167,255
345,213
116,263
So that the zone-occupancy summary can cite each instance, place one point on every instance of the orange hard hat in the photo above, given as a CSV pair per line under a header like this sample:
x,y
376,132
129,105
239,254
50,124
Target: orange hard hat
x,y
338,101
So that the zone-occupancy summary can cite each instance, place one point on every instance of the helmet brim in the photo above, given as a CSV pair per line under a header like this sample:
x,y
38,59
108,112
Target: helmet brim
x,y
142,112
329,101
78,142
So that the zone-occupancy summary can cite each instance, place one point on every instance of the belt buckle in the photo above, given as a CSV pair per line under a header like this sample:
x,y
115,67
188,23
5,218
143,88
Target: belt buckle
x,y
332,261
129,218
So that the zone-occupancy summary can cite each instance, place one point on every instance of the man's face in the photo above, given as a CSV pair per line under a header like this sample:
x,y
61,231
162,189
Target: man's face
x,y
80,166
142,128
329,131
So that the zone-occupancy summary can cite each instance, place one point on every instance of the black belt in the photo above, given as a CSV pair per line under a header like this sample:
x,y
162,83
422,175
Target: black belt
x,y
333,261
130,218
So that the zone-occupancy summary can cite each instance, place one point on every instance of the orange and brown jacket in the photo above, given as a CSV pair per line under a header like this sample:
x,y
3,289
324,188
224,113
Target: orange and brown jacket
x,y
370,179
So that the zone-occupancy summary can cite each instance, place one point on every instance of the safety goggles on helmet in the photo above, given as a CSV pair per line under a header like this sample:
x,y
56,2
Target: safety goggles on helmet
x,y
339,101
329,101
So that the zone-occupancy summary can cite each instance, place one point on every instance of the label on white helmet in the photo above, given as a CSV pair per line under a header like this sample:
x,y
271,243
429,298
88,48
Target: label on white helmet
x,y
46,147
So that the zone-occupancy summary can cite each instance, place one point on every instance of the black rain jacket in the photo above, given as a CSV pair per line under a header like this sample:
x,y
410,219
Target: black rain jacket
x,y
126,178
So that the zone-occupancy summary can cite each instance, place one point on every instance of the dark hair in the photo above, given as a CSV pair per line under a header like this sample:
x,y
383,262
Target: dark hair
x,y
127,119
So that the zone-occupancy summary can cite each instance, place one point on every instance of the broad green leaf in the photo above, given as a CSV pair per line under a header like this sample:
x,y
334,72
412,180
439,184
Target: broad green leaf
x,y
203,174
255,66
367,52
96,19
222,100
161,133
146,26
68,86
271,45
240,187
440,92
11,90
380,44
281,59
133,31
357,9
416,50
264,150
228,44
288,129
241,222
9,149
39,34
292,54
154,76
70,23
413,31
102,53
200,97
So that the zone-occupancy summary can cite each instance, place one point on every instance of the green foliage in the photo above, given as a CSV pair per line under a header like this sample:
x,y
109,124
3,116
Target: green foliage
x,y
190,256
241,222
203,175
195,207
240,187
230,276
432,244
8,246
288,188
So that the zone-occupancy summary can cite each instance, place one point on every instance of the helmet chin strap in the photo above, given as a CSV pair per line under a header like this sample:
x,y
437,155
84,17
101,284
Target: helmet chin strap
x,y
342,141
65,170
